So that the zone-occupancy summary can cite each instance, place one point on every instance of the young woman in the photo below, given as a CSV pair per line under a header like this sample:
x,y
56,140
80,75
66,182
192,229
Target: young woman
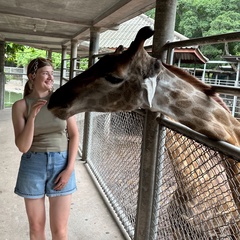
x,y
49,146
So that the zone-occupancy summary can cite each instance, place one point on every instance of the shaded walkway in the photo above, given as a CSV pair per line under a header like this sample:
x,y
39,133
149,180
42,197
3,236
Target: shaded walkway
x,y
89,219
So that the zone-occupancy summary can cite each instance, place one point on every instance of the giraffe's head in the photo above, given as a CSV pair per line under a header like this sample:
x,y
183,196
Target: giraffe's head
x,y
116,82
131,79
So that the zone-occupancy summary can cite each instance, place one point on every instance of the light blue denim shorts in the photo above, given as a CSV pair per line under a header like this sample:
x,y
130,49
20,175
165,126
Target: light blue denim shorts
x,y
38,172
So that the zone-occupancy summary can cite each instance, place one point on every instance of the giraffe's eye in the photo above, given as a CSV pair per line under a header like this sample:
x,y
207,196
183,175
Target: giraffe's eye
x,y
112,79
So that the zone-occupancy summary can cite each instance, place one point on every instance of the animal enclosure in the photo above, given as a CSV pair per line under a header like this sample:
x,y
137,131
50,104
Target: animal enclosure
x,y
195,194
162,180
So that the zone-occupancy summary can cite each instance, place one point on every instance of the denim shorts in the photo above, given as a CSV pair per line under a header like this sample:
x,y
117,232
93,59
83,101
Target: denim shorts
x,y
38,172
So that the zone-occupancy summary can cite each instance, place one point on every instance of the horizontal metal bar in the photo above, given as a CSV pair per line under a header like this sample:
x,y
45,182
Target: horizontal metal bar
x,y
235,91
216,39
141,112
223,147
6,73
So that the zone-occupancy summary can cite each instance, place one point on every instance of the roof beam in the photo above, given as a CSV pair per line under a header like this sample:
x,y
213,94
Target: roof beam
x,y
34,17
28,41
40,34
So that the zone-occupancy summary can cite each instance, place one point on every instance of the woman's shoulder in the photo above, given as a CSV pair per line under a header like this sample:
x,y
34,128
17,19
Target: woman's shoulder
x,y
19,103
20,106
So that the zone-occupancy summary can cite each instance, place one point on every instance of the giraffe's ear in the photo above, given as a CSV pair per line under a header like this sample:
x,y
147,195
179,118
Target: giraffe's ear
x,y
119,50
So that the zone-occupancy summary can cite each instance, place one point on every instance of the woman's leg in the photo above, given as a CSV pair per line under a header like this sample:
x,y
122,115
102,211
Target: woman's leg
x,y
37,218
59,214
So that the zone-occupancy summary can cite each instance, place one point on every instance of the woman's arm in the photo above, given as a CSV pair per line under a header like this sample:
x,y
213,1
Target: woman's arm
x,y
23,129
73,135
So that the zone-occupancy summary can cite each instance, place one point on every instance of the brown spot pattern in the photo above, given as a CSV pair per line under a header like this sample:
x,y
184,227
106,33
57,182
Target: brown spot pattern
x,y
221,116
183,103
188,124
200,112
180,84
176,110
163,100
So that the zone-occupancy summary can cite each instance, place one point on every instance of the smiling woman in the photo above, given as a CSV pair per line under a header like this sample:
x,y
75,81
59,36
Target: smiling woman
x,y
45,68
49,146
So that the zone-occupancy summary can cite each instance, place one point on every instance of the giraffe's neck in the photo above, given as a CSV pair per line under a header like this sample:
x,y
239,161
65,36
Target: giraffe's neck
x,y
186,104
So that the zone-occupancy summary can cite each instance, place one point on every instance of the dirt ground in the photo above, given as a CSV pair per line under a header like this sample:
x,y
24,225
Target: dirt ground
x,y
89,218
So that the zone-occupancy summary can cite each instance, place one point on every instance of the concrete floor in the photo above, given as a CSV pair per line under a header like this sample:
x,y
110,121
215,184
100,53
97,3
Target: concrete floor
x,y
89,218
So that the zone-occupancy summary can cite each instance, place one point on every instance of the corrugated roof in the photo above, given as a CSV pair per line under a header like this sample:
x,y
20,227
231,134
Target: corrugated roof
x,y
110,39
127,32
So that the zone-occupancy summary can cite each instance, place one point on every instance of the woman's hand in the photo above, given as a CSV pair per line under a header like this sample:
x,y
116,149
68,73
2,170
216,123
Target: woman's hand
x,y
35,108
62,179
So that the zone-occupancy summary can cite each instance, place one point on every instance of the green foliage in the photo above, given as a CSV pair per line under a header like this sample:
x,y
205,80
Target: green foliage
x,y
200,18
27,54
10,98
10,52
83,64
151,13
20,56
224,23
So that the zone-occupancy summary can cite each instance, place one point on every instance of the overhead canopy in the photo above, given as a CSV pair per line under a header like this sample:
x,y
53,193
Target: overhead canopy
x,y
49,24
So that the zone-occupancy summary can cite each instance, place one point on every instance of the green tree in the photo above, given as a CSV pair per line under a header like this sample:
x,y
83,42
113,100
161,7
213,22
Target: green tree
x,y
200,18
10,52
22,55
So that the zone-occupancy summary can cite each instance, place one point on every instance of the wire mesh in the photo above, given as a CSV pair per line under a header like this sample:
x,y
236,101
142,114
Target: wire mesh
x,y
80,123
233,103
197,196
197,187
115,160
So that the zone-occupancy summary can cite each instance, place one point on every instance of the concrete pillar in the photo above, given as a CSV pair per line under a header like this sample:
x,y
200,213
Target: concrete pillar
x,y
74,45
164,25
94,45
2,75
164,31
93,49
63,64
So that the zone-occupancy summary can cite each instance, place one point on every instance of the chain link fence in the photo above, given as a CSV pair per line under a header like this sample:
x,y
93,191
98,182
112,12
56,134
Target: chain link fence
x,y
196,187
197,193
114,159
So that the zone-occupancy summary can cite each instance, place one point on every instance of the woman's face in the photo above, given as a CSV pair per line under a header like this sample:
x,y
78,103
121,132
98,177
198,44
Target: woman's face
x,y
43,80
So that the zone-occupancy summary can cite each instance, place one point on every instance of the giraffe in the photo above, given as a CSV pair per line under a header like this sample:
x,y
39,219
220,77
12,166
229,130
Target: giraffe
x,y
202,205
132,79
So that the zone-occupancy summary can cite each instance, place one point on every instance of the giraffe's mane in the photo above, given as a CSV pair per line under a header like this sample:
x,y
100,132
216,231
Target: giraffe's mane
x,y
195,82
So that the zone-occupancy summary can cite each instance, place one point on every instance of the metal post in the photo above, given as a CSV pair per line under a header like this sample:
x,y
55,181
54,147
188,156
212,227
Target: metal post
x,y
73,61
164,32
204,72
236,85
170,55
64,64
158,182
94,45
2,75
93,49
49,54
